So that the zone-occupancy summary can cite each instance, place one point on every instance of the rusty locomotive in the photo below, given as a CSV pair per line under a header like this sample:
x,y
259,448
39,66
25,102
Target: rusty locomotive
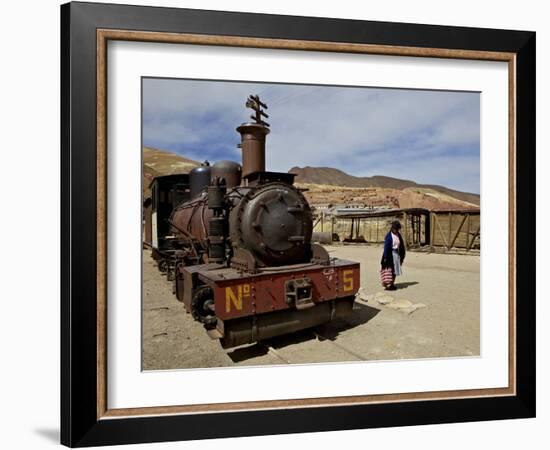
x,y
236,243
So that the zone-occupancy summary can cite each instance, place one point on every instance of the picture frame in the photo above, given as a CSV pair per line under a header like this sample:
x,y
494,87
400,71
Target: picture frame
x,y
86,28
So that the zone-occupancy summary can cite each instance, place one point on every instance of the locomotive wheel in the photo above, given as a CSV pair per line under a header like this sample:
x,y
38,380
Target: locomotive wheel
x,y
202,305
163,265
170,273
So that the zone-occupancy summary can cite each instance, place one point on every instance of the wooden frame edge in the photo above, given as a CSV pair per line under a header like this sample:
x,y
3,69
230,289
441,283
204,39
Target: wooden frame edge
x,y
290,44
304,403
512,199
104,35
101,190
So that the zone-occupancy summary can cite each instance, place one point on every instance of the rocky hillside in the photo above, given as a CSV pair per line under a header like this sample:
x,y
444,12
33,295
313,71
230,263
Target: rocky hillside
x,y
332,186
159,162
166,163
327,176
324,195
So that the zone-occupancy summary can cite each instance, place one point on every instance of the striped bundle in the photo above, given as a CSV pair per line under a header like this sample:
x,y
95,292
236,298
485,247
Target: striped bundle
x,y
386,277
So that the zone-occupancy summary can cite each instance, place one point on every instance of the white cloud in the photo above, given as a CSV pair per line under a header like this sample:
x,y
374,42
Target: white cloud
x,y
364,131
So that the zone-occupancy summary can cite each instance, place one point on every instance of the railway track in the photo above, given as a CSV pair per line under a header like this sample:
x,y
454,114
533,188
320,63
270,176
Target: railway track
x,y
277,355
321,338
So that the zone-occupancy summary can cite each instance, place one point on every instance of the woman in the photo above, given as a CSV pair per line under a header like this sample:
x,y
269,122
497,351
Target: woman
x,y
394,252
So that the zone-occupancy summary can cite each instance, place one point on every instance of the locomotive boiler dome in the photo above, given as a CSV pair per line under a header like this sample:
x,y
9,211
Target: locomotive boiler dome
x,y
274,222
199,179
230,171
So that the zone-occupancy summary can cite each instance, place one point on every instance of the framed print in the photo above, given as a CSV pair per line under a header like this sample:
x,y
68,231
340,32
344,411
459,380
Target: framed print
x,y
276,224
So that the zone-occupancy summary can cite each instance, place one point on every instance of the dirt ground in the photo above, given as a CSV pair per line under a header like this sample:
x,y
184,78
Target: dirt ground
x,y
433,313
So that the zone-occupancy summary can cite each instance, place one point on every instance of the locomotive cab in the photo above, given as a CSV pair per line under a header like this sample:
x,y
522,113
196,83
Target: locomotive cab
x,y
166,193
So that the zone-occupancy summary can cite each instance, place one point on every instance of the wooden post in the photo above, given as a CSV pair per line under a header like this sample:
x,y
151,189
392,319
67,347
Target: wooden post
x,y
406,231
468,231
414,229
370,230
432,228
377,222
473,239
450,230
369,222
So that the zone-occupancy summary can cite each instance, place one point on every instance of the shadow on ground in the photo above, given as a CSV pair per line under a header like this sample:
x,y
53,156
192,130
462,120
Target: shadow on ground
x,y
405,284
262,348
360,315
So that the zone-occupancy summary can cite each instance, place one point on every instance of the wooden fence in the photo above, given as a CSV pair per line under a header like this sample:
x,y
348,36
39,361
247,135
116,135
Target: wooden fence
x,y
446,229
453,229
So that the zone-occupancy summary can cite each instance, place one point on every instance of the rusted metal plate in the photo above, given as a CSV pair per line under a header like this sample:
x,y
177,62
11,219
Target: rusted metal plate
x,y
240,294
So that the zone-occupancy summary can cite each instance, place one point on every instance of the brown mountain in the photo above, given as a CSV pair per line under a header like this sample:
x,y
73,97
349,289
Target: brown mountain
x,y
159,162
326,185
334,177
166,163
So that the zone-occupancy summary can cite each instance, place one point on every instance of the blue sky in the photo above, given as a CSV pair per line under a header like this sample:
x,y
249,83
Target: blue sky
x,y
425,136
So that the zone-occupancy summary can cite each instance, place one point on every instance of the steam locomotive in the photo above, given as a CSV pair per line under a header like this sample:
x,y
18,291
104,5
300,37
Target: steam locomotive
x,y
236,243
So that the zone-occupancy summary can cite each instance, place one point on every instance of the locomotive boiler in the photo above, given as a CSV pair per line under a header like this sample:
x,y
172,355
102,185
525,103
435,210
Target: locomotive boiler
x,y
239,249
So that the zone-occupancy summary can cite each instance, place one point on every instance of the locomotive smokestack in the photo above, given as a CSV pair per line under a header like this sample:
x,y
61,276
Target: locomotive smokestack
x,y
253,138
253,147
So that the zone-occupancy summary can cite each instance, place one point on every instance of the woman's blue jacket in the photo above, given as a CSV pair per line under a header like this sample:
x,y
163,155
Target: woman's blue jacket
x,y
387,257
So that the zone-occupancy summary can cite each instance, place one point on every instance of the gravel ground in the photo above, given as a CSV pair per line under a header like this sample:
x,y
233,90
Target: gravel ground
x,y
433,313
